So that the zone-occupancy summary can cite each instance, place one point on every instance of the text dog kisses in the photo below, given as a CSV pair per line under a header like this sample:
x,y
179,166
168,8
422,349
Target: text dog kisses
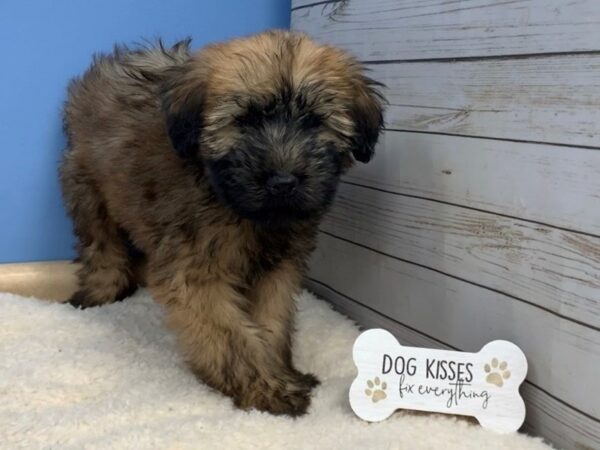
x,y
459,376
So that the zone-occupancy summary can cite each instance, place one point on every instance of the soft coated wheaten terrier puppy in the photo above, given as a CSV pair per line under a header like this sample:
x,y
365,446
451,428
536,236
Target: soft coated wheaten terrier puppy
x,y
213,169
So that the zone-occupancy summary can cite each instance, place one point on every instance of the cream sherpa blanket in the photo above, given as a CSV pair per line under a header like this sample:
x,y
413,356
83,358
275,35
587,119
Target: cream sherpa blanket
x,y
112,378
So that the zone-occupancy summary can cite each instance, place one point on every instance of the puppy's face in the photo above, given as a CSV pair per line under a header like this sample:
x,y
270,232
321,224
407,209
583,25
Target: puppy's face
x,y
275,119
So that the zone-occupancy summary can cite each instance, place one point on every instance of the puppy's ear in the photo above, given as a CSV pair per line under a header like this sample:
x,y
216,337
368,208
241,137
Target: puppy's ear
x,y
182,97
367,113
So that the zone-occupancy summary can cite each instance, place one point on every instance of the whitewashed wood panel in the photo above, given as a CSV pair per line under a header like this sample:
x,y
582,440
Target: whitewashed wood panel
x,y
479,217
545,183
565,427
546,415
304,3
555,269
538,99
441,306
424,29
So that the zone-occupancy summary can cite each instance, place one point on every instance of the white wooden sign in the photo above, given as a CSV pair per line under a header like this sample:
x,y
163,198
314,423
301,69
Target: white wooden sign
x,y
484,384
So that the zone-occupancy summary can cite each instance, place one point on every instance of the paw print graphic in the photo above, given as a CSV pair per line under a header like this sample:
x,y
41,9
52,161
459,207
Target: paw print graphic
x,y
376,389
497,372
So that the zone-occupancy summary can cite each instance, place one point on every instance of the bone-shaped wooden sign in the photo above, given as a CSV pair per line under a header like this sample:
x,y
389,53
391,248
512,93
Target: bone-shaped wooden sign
x,y
484,384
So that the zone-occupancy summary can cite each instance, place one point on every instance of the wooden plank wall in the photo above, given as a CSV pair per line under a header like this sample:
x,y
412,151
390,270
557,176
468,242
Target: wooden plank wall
x,y
479,218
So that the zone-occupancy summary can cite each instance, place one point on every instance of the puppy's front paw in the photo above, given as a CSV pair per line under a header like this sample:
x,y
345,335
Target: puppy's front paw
x,y
82,299
85,298
290,403
308,379
290,396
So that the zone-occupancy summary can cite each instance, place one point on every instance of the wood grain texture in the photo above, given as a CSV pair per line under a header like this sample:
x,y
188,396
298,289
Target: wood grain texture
x,y
425,29
465,316
546,415
306,3
553,100
554,269
479,217
565,427
549,184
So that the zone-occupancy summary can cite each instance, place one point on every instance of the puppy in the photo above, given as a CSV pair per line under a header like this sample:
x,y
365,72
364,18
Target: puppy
x,y
212,170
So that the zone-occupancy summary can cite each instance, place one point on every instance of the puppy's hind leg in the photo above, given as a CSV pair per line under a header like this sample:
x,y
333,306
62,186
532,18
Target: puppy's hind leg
x,y
105,275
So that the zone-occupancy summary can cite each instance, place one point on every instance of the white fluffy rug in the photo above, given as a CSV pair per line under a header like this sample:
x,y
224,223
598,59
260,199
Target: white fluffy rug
x,y
111,377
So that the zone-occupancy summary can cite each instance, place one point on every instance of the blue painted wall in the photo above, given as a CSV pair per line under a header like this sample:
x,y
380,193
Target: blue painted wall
x,y
45,43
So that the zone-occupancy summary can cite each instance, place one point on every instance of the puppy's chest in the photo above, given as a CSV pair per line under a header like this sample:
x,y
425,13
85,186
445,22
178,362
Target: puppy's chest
x,y
244,252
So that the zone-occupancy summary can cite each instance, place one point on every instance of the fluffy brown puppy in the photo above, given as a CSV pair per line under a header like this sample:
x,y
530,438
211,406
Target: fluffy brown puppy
x,y
215,169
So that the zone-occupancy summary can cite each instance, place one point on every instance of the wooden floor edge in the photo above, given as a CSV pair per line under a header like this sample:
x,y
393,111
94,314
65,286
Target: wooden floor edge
x,y
50,280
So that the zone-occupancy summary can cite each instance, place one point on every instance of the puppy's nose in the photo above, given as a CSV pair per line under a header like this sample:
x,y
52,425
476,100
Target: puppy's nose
x,y
282,184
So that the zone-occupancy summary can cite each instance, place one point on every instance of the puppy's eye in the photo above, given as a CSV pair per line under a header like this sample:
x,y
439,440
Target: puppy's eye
x,y
311,120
